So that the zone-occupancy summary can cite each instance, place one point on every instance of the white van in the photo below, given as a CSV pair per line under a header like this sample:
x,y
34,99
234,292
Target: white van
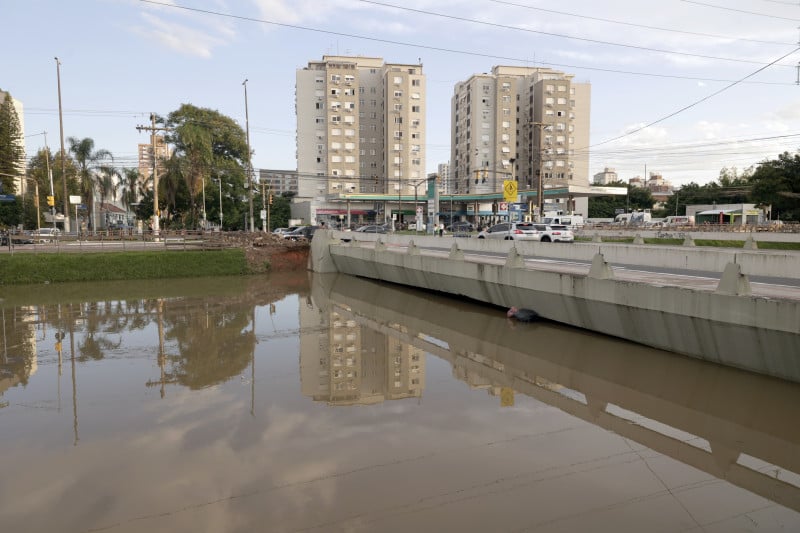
x,y
571,221
679,221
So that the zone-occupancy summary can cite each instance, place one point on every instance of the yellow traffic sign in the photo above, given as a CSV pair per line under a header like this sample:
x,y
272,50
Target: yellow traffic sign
x,y
506,397
510,190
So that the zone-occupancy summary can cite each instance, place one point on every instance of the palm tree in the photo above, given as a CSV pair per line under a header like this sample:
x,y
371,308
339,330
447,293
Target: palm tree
x,y
88,160
108,182
131,188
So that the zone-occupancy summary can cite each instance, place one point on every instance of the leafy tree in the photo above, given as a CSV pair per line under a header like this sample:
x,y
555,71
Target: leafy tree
x,y
88,162
207,145
130,187
12,152
776,183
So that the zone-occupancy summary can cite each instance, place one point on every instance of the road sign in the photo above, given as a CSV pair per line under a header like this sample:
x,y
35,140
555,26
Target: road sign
x,y
7,197
509,190
74,199
263,214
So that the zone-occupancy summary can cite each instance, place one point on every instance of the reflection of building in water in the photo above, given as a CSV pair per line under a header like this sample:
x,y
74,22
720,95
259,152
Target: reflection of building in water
x,y
18,360
343,363
477,381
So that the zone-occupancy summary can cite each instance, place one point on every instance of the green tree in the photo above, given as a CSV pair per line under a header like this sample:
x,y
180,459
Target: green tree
x,y
108,182
88,162
207,145
776,183
130,187
12,151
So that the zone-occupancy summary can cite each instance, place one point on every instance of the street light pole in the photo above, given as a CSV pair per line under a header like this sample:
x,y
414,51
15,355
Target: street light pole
x,y
63,157
50,177
249,159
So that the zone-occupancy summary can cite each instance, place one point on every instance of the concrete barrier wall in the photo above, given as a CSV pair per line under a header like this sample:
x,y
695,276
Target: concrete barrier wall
x,y
778,264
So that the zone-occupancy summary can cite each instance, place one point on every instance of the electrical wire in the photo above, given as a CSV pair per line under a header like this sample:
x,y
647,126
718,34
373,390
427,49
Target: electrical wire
x,y
740,10
447,50
561,35
643,26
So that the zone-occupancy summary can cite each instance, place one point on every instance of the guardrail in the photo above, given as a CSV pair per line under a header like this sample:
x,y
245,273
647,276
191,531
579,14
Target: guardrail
x,y
120,240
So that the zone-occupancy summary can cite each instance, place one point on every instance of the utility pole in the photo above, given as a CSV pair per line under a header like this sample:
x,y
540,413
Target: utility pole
x,y
153,129
52,203
249,159
63,157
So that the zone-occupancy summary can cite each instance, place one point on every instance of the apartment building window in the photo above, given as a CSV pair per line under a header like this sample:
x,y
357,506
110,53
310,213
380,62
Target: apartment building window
x,y
562,101
320,80
506,124
549,112
416,82
349,146
506,86
549,101
398,120
398,80
560,163
415,148
350,92
416,135
349,78
336,145
335,106
398,107
398,134
560,139
397,147
319,93
505,137
562,88
398,94
335,92
485,125
349,159
361,90
362,153
415,96
506,112
561,126
373,90
415,123
372,152
335,78
320,120
561,114
349,119
506,99
415,109
336,131
572,90
336,159
320,105
350,105
549,88
415,162
336,118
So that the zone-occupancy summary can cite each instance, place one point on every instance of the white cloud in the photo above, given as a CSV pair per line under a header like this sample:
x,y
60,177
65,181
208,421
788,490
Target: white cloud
x,y
189,34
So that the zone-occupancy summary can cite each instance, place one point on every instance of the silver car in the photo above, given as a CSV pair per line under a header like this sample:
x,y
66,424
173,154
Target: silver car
x,y
512,231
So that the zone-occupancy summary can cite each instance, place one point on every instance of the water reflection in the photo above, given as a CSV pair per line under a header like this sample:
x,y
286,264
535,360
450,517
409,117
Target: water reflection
x,y
226,404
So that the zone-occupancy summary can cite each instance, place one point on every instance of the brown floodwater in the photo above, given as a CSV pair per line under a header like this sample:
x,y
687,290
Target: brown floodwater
x,y
299,402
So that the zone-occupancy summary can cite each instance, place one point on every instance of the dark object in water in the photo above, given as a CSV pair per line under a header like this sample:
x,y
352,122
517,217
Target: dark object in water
x,y
523,315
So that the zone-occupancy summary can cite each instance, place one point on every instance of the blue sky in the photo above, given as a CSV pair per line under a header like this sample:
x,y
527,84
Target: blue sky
x,y
646,60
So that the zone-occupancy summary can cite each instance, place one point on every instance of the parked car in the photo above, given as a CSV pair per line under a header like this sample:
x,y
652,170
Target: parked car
x,y
45,234
554,233
372,228
301,233
511,231
284,231
461,227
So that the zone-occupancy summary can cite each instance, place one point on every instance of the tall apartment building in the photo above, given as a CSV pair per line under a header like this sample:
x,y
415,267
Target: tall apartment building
x,y
146,157
525,122
278,181
360,128
609,175
443,171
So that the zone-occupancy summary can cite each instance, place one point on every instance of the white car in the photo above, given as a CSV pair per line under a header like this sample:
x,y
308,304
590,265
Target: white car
x,y
554,233
45,234
512,231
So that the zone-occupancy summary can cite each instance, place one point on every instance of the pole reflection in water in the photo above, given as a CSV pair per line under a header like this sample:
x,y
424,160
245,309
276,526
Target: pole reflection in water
x,y
578,432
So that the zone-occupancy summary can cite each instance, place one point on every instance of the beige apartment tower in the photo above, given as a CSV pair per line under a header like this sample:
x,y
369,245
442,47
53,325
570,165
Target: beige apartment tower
x,y
524,123
360,129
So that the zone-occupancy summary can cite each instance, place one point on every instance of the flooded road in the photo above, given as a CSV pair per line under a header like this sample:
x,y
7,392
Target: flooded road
x,y
296,403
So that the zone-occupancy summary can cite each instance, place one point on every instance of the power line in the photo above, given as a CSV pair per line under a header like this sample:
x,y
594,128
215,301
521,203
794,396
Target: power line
x,y
740,11
559,35
644,26
681,110
447,50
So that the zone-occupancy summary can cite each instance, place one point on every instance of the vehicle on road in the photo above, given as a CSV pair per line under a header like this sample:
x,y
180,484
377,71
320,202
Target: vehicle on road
x,y
554,233
372,228
461,227
45,235
284,231
301,233
512,231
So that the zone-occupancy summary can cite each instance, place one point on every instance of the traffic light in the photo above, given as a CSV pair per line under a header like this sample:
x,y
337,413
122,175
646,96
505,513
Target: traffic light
x,y
270,199
51,201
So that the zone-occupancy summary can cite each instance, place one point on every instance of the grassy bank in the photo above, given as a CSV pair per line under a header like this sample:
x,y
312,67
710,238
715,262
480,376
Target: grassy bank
x,y
55,268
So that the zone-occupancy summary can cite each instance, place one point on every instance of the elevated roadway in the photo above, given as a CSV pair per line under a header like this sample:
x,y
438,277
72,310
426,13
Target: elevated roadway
x,y
694,301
